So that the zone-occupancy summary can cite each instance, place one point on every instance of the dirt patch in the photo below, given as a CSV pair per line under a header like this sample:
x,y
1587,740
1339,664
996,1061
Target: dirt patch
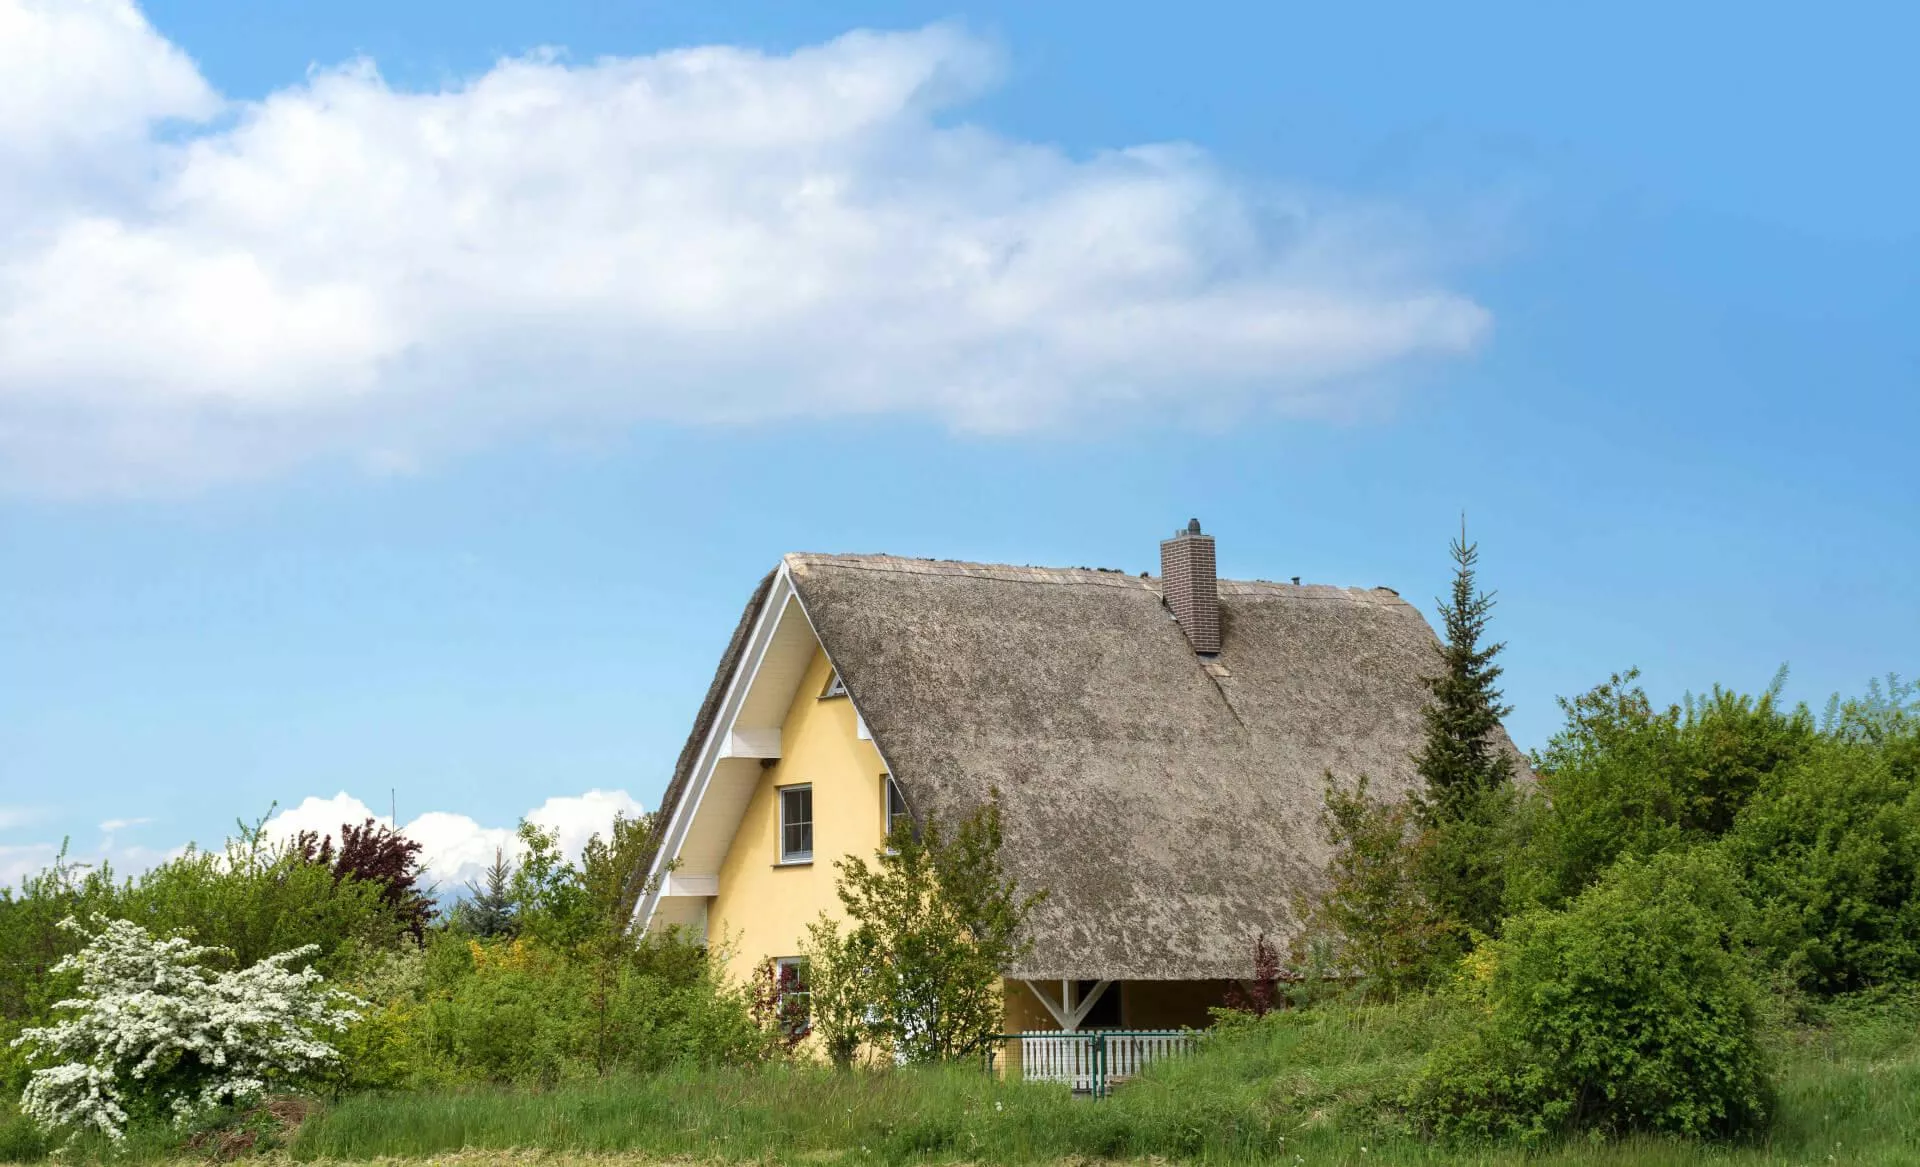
x,y
270,1124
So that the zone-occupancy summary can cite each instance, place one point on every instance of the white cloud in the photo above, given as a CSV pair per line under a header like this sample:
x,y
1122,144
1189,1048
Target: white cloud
x,y
714,235
115,826
455,848
88,75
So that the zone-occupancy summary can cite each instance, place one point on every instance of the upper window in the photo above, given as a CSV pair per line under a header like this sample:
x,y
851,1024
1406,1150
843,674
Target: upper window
x,y
834,687
796,824
897,816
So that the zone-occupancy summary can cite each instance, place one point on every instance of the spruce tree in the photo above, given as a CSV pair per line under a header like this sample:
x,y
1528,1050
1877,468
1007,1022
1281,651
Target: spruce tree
x,y
1459,758
488,912
1466,805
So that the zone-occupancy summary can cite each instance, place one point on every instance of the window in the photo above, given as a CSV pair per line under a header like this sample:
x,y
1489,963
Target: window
x,y
793,1000
834,687
896,810
796,824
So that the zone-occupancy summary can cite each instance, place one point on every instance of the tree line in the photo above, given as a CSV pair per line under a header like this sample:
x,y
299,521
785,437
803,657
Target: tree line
x,y
1632,923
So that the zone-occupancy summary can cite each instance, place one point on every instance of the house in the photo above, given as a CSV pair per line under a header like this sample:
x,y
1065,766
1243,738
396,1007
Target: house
x,y
1159,745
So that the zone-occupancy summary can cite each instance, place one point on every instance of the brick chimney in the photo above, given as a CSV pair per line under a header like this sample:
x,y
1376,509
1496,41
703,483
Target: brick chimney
x,y
1190,587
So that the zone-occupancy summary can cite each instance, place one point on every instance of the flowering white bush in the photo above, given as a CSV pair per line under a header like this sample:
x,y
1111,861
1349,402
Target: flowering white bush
x,y
151,1025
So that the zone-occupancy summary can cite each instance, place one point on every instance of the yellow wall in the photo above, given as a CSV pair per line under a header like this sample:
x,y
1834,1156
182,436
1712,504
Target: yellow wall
x,y
762,909
1170,1004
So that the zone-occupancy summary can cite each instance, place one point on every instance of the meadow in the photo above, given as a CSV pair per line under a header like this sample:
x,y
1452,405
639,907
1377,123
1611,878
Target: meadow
x,y
1322,1085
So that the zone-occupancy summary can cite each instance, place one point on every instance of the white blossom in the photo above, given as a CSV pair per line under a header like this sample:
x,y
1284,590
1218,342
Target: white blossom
x,y
151,1022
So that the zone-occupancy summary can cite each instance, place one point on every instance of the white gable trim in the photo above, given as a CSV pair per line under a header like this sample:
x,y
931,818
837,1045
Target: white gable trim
x,y
727,739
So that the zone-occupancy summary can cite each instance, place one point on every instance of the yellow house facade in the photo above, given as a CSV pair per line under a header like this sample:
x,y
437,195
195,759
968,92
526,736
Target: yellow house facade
x,y
779,873
1157,744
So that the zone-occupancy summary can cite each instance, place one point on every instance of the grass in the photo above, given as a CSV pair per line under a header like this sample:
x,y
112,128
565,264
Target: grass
x,y
1316,1087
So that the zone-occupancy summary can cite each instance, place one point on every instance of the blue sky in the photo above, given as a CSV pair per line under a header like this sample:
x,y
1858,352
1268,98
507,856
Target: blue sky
x,y
445,466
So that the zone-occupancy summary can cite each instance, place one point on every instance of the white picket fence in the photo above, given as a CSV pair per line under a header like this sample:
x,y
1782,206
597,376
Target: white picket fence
x,y
1092,1061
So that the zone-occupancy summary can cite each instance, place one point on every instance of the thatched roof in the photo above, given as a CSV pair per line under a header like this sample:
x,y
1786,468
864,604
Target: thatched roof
x,y
1169,804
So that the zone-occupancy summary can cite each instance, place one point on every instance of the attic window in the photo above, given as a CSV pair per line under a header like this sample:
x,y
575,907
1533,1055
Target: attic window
x,y
834,687
897,816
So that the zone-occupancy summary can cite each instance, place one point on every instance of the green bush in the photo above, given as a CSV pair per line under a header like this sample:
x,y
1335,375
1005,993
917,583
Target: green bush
x,y
1632,1010
1831,850
516,1012
512,1020
1625,778
252,899
1375,917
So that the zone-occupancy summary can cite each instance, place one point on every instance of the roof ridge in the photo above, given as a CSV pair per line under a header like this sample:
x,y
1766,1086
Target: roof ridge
x,y
1097,576
1024,573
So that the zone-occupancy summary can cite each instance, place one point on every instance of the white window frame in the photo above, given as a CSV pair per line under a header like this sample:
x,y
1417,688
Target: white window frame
x,y
889,793
795,857
835,686
798,963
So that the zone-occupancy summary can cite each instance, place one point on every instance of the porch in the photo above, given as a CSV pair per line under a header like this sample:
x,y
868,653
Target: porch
x,y
1091,1062
1090,1035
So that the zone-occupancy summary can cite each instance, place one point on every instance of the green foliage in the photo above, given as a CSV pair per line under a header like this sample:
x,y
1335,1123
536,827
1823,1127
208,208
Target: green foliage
x,y
21,1139
1632,1010
935,919
1459,758
512,1012
550,900
1621,778
388,1048
252,899
612,878
570,993
1831,850
1461,863
1464,808
839,981
487,912
1880,714
511,1020
1375,911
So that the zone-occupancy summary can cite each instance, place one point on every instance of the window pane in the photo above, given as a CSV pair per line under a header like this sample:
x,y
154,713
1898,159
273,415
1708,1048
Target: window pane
x,y
794,1002
796,822
896,807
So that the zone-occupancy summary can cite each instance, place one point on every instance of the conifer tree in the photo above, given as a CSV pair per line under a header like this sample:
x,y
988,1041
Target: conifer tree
x,y
1458,758
488,912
